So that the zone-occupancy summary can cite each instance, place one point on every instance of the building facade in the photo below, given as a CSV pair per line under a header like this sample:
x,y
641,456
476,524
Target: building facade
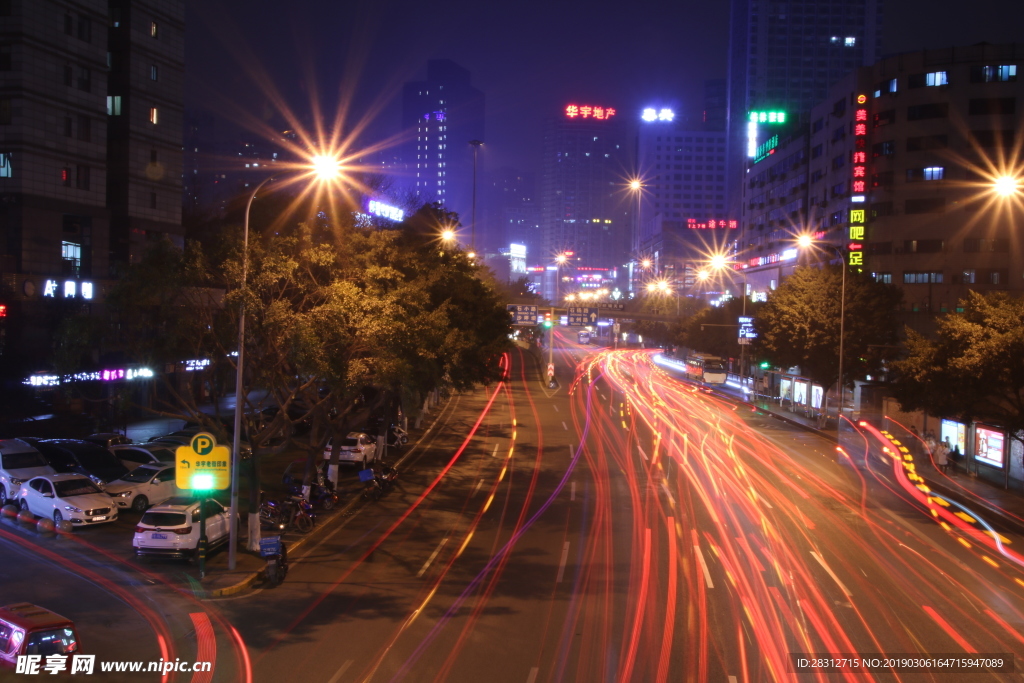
x,y
440,116
584,201
90,153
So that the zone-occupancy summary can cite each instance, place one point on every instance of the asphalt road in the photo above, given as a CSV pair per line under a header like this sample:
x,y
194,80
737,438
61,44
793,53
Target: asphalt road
x,y
624,526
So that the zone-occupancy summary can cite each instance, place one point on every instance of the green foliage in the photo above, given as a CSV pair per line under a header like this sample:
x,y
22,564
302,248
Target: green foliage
x,y
800,323
972,369
715,329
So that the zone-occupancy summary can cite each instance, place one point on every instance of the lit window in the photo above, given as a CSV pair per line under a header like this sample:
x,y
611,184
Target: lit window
x,y
113,105
934,173
850,41
154,115
936,78
153,30
153,72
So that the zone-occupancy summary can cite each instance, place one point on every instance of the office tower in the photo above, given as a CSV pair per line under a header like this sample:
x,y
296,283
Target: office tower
x,y
440,115
716,104
584,203
90,153
509,211
682,212
783,56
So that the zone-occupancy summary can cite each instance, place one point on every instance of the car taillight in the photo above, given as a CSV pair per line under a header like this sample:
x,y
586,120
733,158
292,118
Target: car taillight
x,y
183,532
141,529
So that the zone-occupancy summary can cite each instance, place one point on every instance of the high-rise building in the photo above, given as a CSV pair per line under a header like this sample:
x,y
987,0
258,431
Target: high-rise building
x,y
682,212
90,152
783,56
509,211
440,116
584,202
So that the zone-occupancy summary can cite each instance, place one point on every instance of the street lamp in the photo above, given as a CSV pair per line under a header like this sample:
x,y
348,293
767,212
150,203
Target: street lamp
x,y
1006,186
323,168
719,262
806,241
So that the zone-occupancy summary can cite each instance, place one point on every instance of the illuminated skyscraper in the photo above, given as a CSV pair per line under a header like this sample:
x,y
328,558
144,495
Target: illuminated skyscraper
x,y
441,115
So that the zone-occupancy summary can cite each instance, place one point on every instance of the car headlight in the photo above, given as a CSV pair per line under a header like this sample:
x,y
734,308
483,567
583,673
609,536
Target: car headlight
x,y
123,494
71,508
16,482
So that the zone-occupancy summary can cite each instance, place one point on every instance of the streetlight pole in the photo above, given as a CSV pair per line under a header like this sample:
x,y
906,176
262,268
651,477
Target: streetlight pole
x,y
239,398
842,322
476,148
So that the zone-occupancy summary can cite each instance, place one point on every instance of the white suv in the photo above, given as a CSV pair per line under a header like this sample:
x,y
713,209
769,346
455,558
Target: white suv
x,y
172,529
19,462
358,447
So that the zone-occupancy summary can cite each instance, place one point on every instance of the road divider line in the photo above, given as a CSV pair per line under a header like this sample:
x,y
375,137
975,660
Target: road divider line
x,y
344,667
572,491
433,556
565,426
494,453
561,565
555,407
831,573
533,675
703,565
479,483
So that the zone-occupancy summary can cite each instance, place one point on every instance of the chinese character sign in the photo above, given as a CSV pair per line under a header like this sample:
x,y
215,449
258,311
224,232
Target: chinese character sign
x,y
587,111
712,224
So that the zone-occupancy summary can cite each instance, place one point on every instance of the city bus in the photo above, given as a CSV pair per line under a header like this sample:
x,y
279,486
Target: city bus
x,y
584,337
706,368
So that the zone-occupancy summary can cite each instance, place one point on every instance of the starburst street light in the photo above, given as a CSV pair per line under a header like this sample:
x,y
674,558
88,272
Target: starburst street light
x,y
325,167
1006,185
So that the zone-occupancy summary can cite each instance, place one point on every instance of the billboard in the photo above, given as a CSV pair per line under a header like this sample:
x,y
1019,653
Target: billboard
x,y
988,446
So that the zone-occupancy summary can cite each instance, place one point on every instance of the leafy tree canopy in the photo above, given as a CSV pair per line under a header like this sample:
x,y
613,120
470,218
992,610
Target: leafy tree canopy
x,y
800,324
972,369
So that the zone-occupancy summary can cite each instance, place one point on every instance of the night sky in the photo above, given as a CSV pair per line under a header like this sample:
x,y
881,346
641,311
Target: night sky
x,y
529,57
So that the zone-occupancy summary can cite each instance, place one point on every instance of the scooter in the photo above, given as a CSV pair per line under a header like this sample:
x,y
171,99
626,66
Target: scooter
x,y
277,564
398,437
377,480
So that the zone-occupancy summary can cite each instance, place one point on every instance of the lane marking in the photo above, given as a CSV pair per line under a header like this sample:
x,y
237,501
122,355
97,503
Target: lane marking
x,y
561,565
344,667
831,573
732,679
642,454
703,565
494,453
430,559
555,407
572,491
477,487
533,675
564,426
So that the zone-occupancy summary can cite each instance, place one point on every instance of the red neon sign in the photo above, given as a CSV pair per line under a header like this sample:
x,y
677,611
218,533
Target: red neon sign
x,y
3,310
587,111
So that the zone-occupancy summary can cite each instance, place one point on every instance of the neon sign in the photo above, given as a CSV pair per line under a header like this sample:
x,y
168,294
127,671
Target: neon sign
x,y
766,148
44,380
586,111
855,253
755,118
713,224
664,114
385,211
69,289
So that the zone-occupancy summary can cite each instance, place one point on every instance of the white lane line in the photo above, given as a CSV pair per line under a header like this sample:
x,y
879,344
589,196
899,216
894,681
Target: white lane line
x,y
565,426
765,501
555,407
642,454
494,453
732,679
561,565
477,487
572,491
533,675
344,667
831,573
430,559
704,566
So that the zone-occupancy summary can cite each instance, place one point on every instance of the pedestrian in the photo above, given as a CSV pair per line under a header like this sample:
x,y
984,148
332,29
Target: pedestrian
x,y
941,461
954,457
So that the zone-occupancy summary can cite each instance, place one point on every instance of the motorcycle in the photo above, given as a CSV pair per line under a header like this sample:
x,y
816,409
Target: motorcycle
x,y
293,512
321,494
397,437
377,481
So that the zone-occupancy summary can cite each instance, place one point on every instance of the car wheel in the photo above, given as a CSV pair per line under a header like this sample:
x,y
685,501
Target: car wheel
x,y
57,517
327,503
3,494
24,505
140,503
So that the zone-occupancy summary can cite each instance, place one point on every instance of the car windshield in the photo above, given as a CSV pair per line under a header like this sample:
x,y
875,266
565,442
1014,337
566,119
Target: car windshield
x,y
75,487
57,641
714,366
162,454
163,519
17,461
140,475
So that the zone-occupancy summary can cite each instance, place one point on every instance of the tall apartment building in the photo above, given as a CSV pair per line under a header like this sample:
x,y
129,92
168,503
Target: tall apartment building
x,y
440,116
584,203
897,168
90,151
784,56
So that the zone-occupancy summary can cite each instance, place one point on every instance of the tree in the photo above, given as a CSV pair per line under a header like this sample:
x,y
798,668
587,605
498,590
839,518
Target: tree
x,y
800,323
972,369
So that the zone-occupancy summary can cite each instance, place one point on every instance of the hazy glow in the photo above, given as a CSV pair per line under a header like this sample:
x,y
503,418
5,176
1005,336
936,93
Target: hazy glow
x,y
448,235
646,263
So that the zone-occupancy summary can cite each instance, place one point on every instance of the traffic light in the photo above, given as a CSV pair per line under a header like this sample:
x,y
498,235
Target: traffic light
x,y
765,365
547,319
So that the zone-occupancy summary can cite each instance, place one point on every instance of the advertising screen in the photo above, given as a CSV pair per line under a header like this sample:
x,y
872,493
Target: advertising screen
x,y
988,446
816,394
800,392
785,389
955,433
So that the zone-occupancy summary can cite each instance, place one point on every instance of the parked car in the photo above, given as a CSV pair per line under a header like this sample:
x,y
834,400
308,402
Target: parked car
x,y
358,447
67,496
144,486
107,439
134,454
27,629
82,457
172,529
19,462
184,438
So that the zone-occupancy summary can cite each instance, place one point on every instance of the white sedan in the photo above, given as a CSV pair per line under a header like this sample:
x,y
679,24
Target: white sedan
x,y
144,486
67,496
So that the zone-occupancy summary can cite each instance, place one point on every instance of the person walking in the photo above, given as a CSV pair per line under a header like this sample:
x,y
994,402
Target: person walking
x,y
940,455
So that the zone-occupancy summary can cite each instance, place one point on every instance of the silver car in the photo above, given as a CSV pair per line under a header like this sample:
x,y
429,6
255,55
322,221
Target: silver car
x,y
19,462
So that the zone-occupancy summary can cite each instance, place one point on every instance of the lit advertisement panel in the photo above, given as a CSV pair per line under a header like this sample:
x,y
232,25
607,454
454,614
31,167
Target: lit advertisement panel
x,y
988,446
587,111
651,114
955,433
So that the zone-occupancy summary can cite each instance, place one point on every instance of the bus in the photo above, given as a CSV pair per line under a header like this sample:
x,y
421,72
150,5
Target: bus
x,y
706,368
584,337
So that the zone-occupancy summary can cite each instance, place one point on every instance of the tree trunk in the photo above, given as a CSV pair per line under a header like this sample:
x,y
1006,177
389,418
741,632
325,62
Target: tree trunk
x,y
254,504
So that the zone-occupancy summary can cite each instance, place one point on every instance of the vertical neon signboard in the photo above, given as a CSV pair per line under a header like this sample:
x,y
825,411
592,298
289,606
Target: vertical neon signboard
x,y
855,248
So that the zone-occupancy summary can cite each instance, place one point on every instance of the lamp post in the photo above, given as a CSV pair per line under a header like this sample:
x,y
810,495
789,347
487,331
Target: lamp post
x,y
476,148
717,263
324,168
805,241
